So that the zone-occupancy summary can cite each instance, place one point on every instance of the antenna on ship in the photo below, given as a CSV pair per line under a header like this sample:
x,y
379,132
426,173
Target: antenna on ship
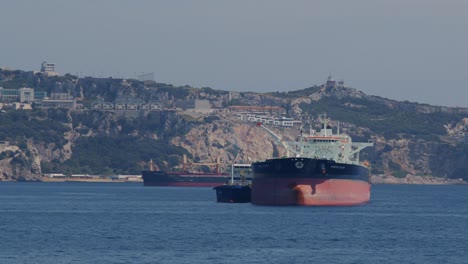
x,y
232,174
218,163
324,120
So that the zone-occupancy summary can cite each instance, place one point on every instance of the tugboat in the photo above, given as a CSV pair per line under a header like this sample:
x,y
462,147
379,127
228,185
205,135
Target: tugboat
x,y
320,169
237,190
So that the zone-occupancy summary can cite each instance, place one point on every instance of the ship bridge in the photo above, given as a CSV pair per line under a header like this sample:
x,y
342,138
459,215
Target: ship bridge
x,y
323,145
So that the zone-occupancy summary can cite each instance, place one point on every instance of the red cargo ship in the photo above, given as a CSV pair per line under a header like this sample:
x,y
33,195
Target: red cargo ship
x,y
154,177
193,179
323,170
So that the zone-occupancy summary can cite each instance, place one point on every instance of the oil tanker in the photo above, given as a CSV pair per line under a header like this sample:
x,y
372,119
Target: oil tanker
x,y
320,169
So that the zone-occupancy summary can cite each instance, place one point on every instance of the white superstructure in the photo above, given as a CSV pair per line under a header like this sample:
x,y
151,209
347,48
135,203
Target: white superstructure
x,y
323,145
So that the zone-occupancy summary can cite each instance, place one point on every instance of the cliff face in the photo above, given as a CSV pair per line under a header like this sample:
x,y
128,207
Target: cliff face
x,y
229,139
20,164
410,139
233,140
421,158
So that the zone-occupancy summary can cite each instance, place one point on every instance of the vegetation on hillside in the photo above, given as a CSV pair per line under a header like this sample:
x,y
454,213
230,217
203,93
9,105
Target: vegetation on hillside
x,y
119,153
19,126
116,155
380,119
297,93
40,82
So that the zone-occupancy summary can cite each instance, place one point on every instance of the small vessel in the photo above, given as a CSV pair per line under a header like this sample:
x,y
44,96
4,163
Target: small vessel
x,y
233,193
237,190
319,169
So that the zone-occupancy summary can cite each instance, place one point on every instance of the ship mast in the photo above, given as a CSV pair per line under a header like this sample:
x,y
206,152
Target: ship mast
x,y
232,174
310,126
187,163
325,131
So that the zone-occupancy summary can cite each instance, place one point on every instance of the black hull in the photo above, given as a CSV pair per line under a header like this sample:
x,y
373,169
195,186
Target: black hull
x,y
233,194
309,169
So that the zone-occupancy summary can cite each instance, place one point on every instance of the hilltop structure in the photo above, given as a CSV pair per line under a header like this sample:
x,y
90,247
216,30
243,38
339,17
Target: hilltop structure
x,y
332,83
48,69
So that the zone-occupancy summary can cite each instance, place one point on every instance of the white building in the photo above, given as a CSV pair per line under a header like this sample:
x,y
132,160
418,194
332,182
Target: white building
x,y
26,95
47,67
268,120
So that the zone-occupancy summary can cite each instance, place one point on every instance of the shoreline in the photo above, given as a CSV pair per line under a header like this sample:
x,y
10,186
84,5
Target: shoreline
x,y
375,179
104,180
413,179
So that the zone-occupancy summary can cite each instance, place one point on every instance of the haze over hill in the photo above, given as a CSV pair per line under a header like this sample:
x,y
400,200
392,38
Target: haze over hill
x,y
402,50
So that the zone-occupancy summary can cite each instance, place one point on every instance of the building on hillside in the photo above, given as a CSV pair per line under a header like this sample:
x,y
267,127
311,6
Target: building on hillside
x,y
269,120
101,105
286,122
9,95
195,105
332,83
48,69
126,104
202,106
55,175
22,95
39,95
150,106
256,109
26,95
61,96
58,100
22,106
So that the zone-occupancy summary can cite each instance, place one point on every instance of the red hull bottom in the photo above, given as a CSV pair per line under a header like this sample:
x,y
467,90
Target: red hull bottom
x,y
184,184
310,192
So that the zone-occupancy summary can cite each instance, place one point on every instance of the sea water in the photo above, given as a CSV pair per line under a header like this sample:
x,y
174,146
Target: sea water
x,y
129,223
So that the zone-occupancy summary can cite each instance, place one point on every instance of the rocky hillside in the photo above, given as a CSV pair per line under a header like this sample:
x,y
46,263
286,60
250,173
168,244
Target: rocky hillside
x,y
410,138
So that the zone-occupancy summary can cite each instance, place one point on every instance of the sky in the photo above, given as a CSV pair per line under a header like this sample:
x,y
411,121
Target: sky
x,y
407,50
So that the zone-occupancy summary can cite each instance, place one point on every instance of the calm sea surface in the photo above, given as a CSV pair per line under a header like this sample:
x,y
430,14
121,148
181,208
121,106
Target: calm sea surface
x,y
129,223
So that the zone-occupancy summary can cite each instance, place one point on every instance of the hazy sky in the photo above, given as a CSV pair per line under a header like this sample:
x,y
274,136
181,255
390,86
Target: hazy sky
x,y
415,50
